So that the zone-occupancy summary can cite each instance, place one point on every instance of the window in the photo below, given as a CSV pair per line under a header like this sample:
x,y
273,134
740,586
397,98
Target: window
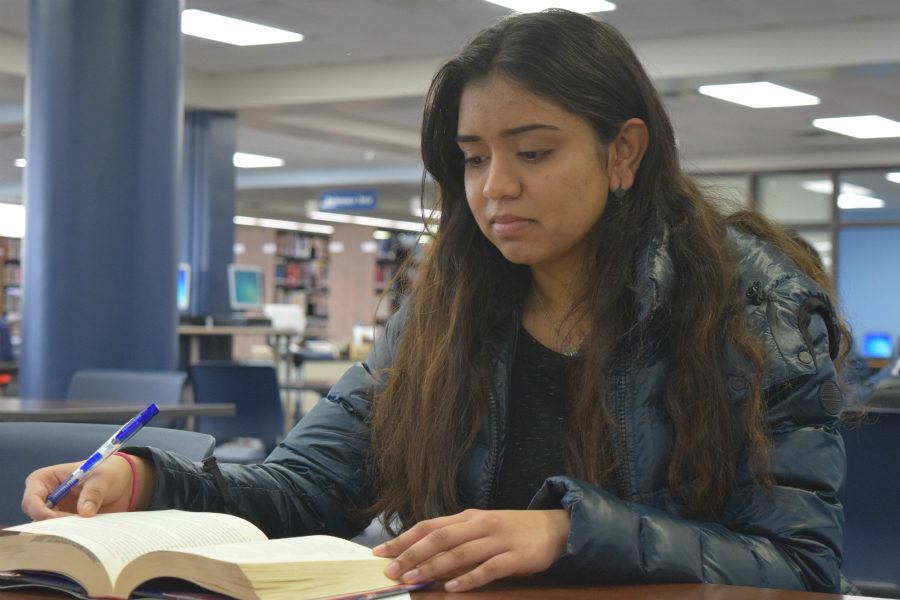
x,y
797,198
869,196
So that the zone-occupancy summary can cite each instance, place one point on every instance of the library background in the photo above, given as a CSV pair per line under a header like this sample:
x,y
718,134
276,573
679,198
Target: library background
x,y
337,278
302,198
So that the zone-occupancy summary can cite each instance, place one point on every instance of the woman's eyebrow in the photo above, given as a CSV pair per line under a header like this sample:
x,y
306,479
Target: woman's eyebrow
x,y
507,132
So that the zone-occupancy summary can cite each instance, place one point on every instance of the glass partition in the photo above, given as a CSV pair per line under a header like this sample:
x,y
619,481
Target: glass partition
x,y
871,196
797,198
868,283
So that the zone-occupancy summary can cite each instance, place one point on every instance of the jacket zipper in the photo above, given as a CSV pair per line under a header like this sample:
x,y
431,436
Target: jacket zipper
x,y
487,499
623,481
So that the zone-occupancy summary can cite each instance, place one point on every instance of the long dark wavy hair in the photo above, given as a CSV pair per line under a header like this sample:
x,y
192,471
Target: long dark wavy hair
x,y
436,397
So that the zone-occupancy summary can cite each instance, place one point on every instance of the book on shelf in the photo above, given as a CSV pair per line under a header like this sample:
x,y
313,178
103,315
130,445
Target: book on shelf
x,y
178,554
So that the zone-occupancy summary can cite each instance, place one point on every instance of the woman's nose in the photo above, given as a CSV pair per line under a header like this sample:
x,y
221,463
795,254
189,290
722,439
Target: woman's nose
x,y
502,181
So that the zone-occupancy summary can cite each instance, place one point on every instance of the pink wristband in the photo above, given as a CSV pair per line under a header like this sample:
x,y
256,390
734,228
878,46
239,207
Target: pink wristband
x,y
134,478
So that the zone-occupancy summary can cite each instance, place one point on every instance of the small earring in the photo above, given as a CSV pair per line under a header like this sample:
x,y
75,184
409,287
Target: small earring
x,y
619,193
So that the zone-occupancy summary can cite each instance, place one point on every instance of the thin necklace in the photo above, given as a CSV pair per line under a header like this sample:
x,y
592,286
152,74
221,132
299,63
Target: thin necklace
x,y
557,327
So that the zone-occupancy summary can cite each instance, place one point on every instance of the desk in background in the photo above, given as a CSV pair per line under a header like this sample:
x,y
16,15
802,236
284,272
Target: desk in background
x,y
195,333
84,411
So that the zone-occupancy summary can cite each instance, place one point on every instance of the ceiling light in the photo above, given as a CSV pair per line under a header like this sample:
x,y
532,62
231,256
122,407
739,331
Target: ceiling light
x,y
287,225
759,94
864,126
855,201
242,160
825,186
20,162
362,220
579,6
894,176
237,32
426,213
416,210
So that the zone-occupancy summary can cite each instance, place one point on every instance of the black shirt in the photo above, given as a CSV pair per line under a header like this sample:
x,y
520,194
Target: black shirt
x,y
538,425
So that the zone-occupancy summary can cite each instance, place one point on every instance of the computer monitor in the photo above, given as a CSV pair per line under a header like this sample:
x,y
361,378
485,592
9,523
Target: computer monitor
x,y
245,288
184,286
877,345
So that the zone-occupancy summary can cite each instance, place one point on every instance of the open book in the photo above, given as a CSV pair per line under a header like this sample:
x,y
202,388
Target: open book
x,y
112,555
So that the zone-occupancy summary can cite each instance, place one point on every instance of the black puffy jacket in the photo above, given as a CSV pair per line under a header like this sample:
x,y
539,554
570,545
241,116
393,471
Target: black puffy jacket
x,y
786,537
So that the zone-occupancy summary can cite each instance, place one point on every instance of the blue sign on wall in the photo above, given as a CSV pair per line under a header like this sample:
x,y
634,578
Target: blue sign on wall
x,y
349,200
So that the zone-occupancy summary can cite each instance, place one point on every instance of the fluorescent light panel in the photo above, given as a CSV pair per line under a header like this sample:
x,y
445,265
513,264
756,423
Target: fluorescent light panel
x,y
319,215
893,176
416,210
287,225
242,160
431,215
852,196
759,94
20,162
579,6
863,126
236,32
857,201
825,186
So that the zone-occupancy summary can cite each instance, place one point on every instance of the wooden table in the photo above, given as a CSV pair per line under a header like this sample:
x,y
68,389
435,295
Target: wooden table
x,y
510,590
86,411
532,590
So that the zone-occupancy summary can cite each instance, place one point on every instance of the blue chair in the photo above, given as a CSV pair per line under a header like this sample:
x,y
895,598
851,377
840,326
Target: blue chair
x,y
130,386
26,446
258,423
872,504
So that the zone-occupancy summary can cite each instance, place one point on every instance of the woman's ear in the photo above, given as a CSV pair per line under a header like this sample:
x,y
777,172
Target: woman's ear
x,y
626,153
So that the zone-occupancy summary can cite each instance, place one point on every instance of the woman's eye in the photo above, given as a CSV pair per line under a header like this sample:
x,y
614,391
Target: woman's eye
x,y
534,154
474,161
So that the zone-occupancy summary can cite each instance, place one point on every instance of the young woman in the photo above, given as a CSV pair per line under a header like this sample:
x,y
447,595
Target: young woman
x,y
596,376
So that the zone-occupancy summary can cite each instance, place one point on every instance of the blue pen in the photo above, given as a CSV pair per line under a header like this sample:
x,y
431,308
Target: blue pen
x,y
109,447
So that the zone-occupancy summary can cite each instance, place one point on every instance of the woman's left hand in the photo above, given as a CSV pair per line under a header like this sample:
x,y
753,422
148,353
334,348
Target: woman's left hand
x,y
495,543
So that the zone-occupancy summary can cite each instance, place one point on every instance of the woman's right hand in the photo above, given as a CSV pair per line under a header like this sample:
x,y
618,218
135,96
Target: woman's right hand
x,y
107,489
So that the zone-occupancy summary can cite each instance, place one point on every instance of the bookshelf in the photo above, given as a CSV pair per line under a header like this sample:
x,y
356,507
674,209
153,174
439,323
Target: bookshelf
x,y
392,251
11,280
301,276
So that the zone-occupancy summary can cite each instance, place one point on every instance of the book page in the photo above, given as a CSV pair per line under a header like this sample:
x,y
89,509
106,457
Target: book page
x,y
308,548
117,538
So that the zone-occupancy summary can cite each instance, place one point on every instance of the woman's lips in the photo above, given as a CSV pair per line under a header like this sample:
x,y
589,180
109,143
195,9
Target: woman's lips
x,y
505,225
